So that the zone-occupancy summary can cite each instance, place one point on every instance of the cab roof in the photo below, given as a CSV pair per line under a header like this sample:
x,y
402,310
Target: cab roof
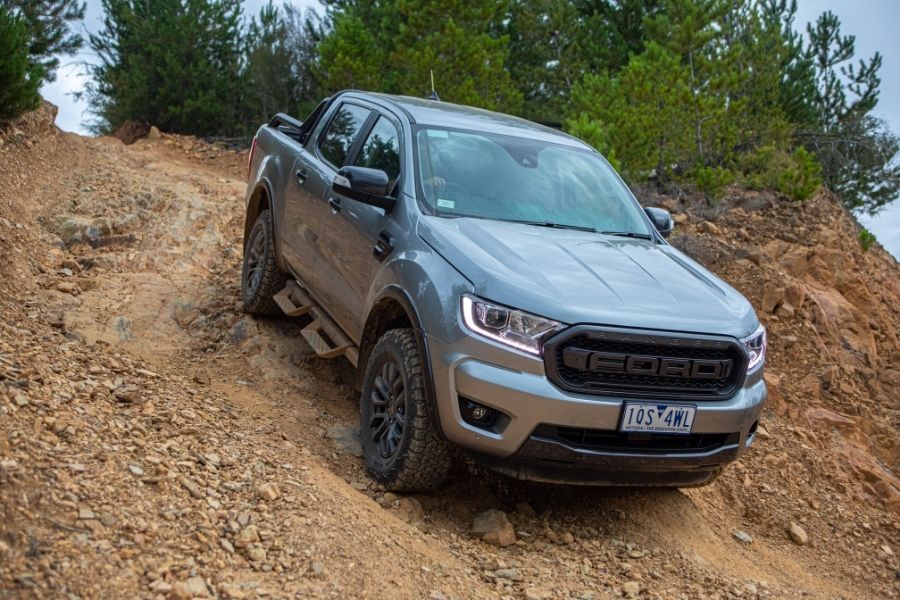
x,y
446,114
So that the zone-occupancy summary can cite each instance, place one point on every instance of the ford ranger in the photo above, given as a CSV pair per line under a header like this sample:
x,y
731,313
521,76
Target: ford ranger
x,y
499,290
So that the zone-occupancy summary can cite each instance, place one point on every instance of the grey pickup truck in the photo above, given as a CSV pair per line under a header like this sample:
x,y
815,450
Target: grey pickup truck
x,y
498,290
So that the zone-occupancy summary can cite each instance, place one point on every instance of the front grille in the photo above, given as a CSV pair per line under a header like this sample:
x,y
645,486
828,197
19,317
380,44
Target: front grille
x,y
659,348
601,440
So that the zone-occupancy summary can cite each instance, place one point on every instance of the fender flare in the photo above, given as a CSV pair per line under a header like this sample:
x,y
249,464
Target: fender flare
x,y
397,294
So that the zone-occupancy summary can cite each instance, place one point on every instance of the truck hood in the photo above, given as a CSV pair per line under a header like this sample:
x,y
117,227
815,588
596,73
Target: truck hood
x,y
583,277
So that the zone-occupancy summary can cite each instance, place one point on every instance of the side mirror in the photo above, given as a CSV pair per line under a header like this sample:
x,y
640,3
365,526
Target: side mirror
x,y
662,220
369,186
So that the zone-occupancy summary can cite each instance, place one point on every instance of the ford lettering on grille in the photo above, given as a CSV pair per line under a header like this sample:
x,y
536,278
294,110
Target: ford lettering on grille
x,y
637,364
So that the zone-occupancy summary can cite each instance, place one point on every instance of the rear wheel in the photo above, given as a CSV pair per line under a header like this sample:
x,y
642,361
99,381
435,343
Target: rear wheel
x,y
402,450
260,277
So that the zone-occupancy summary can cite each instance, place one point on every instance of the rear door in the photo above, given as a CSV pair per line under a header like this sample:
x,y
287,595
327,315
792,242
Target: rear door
x,y
306,205
353,229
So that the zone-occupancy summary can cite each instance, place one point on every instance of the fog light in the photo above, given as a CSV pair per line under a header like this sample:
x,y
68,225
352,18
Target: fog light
x,y
477,414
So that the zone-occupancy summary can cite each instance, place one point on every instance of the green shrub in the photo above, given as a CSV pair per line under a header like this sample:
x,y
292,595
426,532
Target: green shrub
x,y
800,177
796,175
19,83
866,239
712,181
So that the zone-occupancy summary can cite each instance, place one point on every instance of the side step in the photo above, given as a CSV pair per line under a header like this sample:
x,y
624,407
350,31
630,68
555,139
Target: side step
x,y
323,335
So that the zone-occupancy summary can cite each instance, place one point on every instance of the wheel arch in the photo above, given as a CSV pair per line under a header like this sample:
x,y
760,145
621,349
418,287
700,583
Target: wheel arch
x,y
259,201
394,308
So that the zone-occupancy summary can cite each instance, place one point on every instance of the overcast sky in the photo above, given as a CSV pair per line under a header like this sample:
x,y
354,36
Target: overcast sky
x,y
873,22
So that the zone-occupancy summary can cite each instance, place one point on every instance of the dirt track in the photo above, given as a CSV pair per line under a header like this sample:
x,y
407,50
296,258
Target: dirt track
x,y
229,403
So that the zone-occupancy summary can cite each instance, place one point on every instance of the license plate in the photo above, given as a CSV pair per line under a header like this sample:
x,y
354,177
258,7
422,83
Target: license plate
x,y
656,417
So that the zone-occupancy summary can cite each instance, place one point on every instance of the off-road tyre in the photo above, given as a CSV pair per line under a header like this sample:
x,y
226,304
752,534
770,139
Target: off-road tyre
x,y
266,280
419,460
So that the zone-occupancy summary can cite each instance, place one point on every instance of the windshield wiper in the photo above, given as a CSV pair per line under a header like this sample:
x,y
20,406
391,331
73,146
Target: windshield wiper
x,y
628,234
555,225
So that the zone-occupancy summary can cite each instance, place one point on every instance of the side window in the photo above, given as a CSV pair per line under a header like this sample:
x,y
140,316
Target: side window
x,y
381,150
335,141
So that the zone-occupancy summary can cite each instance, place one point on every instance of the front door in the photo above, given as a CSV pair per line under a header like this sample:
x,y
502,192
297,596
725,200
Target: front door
x,y
352,229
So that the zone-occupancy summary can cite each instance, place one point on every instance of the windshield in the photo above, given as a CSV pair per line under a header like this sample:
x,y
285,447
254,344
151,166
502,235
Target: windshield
x,y
508,178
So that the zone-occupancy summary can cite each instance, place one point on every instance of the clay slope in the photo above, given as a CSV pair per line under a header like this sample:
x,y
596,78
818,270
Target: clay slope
x,y
155,442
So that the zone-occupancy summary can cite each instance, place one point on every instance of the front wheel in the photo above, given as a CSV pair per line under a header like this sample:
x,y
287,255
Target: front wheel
x,y
402,450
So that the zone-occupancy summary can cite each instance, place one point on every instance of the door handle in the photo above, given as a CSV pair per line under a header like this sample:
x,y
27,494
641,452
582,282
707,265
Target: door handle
x,y
335,204
301,176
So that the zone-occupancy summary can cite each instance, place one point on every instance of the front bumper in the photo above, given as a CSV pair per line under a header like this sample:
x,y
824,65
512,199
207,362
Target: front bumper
x,y
515,384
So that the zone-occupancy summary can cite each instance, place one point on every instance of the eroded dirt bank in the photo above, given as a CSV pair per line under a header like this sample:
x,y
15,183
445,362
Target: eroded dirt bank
x,y
155,442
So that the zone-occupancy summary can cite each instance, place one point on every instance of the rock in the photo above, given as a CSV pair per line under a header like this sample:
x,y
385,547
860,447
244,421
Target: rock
x,y
136,470
537,594
494,528
525,509
785,310
128,393
710,228
226,546
795,295
268,492
248,535
631,588
743,537
153,134
798,534
256,553
317,568
772,297
830,419
412,507
67,287
160,586
85,513
510,574
194,587
71,265
192,488
567,538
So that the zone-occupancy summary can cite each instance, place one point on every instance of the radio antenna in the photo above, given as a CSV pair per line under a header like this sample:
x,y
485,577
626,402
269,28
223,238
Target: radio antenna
x,y
434,94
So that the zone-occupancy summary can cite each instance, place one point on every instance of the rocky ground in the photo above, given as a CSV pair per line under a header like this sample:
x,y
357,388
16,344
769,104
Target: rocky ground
x,y
156,442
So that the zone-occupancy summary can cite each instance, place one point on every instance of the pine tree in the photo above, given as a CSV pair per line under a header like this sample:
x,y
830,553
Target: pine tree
x,y
172,63
642,113
47,24
452,39
343,65
395,45
545,55
281,60
856,150
19,79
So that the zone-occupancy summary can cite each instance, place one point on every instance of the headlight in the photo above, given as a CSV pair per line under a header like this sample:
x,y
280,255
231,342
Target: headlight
x,y
508,326
756,346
